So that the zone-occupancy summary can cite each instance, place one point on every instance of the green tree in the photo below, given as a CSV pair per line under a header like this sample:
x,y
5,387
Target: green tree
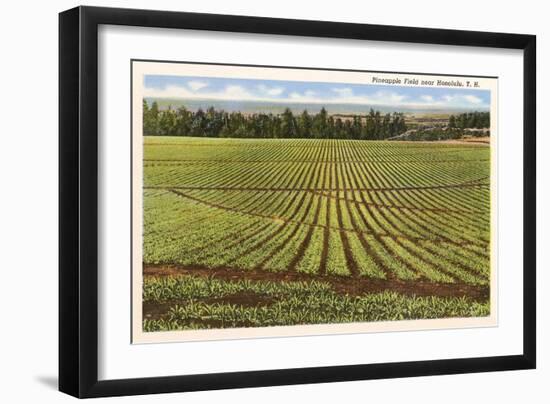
x,y
305,124
150,119
183,121
198,123
357,128
320,126
386,127
288,125
370,126
377,125
452,121
167,122
218,123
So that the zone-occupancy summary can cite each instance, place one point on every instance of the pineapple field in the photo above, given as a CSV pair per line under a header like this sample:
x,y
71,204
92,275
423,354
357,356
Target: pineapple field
x,y
260,232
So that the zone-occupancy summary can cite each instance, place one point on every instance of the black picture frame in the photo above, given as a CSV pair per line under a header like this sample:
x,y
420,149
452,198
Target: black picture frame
x,y
78,201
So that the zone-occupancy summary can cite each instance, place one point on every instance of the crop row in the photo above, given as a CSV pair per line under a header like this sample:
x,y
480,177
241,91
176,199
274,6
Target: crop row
x,y
381,220
199,150
206,303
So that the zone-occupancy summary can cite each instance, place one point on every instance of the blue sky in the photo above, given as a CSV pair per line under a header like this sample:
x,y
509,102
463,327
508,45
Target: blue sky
x,y
279,91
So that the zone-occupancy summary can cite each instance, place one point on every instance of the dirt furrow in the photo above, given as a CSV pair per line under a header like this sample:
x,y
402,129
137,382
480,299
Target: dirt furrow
x,y
349,286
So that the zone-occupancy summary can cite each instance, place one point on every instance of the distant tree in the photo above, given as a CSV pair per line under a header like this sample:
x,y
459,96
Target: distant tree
x,y
150,119
377,125
398,125
347,130
474,119
452,121
213,122
305,124
320,125
357,128
183,121
370,126
339,130
146,117
218,123
198,123
330,132
386,127
288,124
167,122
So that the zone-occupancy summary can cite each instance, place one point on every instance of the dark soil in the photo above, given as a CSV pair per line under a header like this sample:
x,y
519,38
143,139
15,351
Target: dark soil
x,y
341,284
155,310
293,189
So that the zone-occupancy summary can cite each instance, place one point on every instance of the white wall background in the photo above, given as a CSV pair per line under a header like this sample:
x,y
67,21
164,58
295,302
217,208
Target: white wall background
x,y
28,202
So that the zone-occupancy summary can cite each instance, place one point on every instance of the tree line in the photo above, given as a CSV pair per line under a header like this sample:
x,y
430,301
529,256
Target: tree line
x,y
475,124
219,123
477,120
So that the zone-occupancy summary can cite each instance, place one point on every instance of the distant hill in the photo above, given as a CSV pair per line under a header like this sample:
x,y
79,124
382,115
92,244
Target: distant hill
x,y
249,107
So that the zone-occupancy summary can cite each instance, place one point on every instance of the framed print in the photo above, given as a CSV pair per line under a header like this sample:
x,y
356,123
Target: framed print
x,y
249,201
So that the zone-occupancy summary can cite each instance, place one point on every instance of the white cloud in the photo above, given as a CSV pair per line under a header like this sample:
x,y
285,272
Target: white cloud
x,y
308,96
230,92
463,101
235,92
196,85
295,96
271,91
473,99
337,95
169,92
346,96
390,97
343,92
